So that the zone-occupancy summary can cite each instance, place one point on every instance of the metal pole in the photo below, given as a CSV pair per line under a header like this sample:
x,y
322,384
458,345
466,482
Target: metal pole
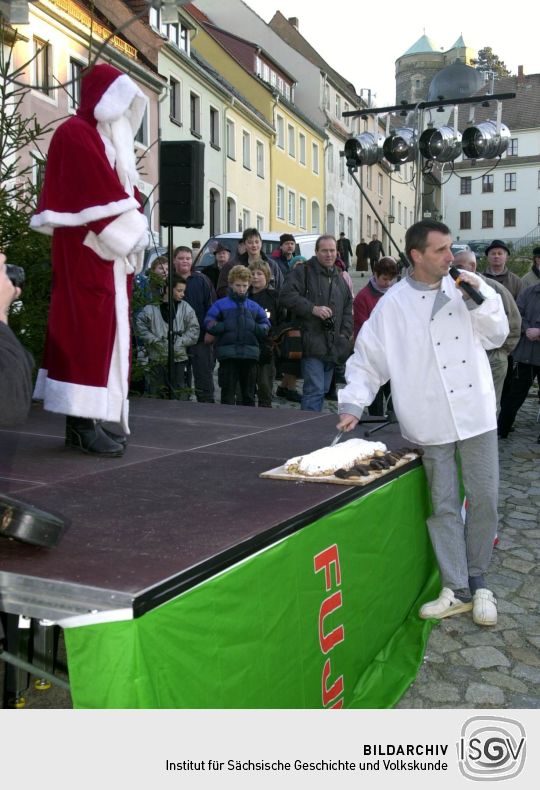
x,y
401,254
170,332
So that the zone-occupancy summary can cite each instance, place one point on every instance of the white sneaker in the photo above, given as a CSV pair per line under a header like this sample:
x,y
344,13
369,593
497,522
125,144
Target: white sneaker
x,y
445,606
484,607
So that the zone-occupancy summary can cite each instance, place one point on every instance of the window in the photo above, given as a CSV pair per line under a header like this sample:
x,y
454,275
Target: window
x,y
347,119
326,98
266,72
42,65
260,223
342,167
292,140
368,224
142,132
487,183
338,106
74,89
302,220
214,127
280,202
175,103
302,149
487,219
510,182
280,132
246,218
393,206
175,32
330,158
380,184
195,114
349,228
399,211
260,159
464,220
466,184
512,149
292,208
341,223
509,218
246,151
231,142
315,157
315,216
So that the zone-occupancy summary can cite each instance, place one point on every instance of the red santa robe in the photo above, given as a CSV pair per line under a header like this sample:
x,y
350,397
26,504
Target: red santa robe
x,y
90,205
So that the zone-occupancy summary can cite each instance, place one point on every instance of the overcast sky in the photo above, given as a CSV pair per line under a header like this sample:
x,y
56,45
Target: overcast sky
x,y
363,41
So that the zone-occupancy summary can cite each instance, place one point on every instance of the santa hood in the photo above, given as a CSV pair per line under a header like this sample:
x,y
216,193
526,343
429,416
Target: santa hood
x,y
107,95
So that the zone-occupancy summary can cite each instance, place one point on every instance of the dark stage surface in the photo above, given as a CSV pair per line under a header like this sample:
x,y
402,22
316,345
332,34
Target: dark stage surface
x,y
184,502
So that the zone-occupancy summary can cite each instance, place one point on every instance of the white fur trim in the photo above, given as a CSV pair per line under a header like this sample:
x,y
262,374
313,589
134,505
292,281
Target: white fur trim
x,y
47,221
119,237
121,96
77,400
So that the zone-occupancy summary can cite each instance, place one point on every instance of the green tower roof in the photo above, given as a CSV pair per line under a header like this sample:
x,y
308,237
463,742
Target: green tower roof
x,y
424,44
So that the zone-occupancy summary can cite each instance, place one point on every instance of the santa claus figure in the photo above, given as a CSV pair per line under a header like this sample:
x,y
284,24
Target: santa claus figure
x,y
91,207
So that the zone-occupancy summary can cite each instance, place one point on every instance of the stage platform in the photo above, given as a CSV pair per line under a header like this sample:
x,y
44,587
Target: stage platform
x,y
182,530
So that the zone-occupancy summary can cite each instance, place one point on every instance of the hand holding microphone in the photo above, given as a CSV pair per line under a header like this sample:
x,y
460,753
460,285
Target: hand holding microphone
x,y
465,286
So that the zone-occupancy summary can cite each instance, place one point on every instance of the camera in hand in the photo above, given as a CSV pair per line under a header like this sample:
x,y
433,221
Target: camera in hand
x,y
15,274
329,323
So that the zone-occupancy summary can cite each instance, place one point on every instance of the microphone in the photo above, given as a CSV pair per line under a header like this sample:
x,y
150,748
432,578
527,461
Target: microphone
x,y
475,295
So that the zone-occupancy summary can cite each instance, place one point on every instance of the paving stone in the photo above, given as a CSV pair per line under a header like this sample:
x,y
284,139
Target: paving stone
x,y
482,694
481,657
505,682
518,565
482,637
513,638
527,673
442,643
525,655
440,692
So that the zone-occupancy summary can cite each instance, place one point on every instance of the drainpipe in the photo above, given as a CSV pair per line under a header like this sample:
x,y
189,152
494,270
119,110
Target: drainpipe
x,y
273,219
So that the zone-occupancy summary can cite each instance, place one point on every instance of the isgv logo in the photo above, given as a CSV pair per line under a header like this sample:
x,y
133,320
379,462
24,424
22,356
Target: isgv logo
x,y
491,748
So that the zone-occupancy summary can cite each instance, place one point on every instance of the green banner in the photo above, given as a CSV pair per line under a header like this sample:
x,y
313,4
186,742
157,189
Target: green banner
x,y
325,618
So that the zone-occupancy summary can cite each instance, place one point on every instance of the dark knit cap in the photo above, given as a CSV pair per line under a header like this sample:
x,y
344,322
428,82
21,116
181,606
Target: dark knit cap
x,y
286,237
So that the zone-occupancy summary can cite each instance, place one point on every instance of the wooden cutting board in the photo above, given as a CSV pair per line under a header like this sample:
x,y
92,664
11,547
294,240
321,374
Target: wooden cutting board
x,y
279,473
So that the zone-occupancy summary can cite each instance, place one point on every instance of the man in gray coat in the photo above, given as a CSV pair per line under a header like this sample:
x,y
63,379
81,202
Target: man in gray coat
x,y
498,357
317,294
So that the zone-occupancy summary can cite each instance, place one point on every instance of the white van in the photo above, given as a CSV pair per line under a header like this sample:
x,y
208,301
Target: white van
x,y
305,245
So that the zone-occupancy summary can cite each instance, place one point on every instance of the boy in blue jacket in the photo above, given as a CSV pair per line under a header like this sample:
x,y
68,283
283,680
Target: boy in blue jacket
x,y
236,324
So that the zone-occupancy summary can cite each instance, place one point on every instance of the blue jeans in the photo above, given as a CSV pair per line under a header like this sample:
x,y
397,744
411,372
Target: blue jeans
x,y
317,377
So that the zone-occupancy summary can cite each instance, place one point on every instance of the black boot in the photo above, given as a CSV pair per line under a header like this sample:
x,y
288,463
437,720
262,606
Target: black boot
x,y
119,438
89,437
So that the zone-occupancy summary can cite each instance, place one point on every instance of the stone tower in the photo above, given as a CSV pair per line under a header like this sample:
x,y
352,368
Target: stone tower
x,y
416,68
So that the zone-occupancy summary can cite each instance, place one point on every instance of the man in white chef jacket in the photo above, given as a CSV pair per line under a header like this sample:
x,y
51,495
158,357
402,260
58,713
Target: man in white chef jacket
x,y
430,340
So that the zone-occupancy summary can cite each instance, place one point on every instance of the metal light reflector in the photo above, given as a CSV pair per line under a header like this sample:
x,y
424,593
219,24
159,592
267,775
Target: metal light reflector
x,y
365,149
485,140
400,147
440,144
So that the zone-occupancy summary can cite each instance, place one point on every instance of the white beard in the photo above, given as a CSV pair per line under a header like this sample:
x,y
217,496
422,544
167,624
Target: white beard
x,y
119,137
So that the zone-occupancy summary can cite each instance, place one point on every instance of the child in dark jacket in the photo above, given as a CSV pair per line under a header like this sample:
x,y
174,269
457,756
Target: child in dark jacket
x,y
237,324
267,298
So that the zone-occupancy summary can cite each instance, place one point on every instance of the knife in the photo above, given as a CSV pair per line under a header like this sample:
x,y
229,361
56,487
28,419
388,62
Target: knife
x,y
338,436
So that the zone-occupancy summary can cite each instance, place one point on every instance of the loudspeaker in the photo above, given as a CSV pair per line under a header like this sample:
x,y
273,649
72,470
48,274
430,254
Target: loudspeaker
x,y
181,183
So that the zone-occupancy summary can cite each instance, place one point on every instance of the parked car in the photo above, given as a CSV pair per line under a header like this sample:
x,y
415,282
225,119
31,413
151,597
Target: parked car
x,y
305,245
458,247
479,247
